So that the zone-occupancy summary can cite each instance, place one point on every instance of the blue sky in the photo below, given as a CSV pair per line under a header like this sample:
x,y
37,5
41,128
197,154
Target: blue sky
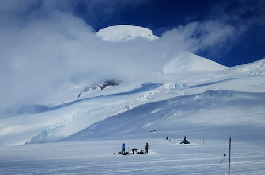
x,y
247,17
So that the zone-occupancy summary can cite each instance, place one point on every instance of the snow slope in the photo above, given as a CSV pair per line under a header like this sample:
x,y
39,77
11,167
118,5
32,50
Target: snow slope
x,y
218,111
188,62
68,118
207,107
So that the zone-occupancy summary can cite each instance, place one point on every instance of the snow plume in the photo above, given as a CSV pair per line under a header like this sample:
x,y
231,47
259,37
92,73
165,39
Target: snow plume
x,y
43,49
198,36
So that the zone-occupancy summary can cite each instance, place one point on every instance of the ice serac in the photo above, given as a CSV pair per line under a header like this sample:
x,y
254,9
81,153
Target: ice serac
x,y
184,62
120,33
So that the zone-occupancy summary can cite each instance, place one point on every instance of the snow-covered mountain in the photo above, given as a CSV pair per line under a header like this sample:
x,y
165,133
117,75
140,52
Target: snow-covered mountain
x,y
187,89
216,97
255,68
188,62
201,84
125,33
190,96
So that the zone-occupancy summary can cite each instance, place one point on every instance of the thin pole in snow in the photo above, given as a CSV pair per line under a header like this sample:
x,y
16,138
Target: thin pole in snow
x,y
229,154
223,159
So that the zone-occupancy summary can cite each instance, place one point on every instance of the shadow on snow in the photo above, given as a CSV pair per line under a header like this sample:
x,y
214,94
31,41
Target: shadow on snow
x,y
43,108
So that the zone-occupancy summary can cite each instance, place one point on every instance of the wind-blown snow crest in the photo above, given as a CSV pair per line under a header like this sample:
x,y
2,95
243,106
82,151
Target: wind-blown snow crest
x,y
125,33
255,68
191,62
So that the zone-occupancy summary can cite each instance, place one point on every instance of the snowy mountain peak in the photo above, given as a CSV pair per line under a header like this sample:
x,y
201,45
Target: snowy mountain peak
x,y
125,33
192,63
255,68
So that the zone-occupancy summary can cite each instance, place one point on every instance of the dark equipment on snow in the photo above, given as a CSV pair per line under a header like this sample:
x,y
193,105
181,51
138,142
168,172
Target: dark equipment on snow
x,y
140,152
126,153
134,150
185,141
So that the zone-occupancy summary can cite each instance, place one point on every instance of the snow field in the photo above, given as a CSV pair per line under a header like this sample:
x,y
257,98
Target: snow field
x,y
165,157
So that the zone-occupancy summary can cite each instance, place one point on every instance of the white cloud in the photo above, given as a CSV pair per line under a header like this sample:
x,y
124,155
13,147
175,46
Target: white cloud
x,y
38,56
198,36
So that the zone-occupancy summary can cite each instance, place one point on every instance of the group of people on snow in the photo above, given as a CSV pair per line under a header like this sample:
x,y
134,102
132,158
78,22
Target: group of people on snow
x,y
184,141
140,152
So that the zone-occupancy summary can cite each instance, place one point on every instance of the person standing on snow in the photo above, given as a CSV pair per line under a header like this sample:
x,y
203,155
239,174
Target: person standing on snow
x,y
123,149
146,148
